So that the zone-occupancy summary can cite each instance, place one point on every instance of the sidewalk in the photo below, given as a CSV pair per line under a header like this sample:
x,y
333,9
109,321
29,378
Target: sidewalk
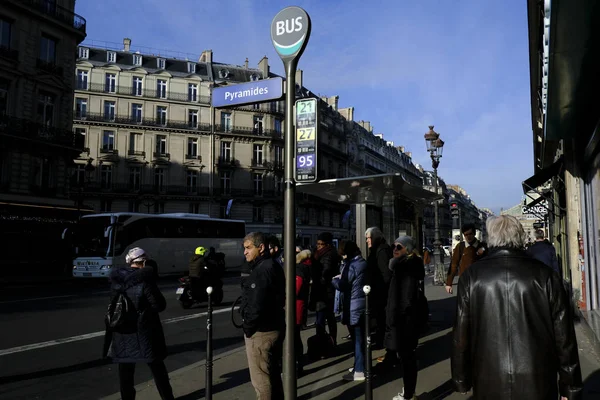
x,y
322,380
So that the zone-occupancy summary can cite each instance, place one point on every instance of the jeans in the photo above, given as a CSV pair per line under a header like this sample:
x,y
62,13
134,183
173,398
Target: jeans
x,y
409,364
327,315
358,338
159,372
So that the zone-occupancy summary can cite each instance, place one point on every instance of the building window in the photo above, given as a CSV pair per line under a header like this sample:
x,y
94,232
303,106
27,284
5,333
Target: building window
x,y
257,180
137,86
111,57
106,176
161,89
110,83
4,85
226,122
255,106
46,108
135,177
134,206
161,115
191,181
159,207
43,169
191,68
108,140
109,110
258,154
192,149
226,151
136,113
278,125
279,156
137,59
226,182
80,131
192,92
80,108
5,32
84,53
132,143
279,184
193,118
257,214
48,49
160,63
159,178
82,79
258,125
80,174
106,205
161,144
194,208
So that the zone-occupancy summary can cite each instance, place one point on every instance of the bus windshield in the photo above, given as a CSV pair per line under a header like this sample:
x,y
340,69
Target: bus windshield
x,y
89,237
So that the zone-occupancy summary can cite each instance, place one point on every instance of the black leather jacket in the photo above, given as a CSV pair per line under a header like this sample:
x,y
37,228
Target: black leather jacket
x,y
514,331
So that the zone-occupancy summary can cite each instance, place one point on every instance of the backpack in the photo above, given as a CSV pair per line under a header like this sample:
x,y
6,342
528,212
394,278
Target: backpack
x,y
121,316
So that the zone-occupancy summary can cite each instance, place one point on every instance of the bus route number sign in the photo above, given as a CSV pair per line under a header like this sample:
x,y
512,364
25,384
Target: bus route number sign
x,y
307,124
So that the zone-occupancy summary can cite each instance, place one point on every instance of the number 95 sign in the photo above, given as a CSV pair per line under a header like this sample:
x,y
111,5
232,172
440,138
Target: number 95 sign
x,y
306,140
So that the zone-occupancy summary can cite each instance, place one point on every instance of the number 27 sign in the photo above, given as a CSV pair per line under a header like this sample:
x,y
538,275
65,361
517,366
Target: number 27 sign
x,y
306,140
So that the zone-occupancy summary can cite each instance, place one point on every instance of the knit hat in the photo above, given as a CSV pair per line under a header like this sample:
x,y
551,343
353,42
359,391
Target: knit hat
x,y
325,237
406,241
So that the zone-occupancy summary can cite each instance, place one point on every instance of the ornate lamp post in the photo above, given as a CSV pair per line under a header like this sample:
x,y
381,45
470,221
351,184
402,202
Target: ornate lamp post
x,y
435,147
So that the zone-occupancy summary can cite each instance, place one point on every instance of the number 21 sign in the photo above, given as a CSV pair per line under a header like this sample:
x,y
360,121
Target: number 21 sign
x,y
307,125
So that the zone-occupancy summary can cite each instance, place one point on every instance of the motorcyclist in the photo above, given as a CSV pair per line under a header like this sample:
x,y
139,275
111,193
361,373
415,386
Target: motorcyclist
x,y
198,270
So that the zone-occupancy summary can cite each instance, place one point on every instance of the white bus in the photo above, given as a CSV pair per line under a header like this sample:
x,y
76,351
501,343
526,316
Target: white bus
x,y
101,241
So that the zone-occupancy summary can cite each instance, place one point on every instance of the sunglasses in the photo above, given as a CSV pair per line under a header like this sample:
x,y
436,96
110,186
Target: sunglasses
x,y
398,247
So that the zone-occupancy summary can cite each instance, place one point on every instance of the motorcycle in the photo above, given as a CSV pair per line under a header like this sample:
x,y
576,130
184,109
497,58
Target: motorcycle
x,y
188,297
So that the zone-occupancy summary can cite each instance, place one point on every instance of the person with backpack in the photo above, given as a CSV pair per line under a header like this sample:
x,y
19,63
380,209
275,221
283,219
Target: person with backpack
x,y
464,254
402,311
133,325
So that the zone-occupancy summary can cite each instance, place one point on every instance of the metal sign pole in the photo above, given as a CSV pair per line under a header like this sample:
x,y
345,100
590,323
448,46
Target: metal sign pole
x,y
290,30
209,352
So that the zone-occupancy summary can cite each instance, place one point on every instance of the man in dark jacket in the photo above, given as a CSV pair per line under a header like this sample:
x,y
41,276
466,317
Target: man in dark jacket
x,y
544,251
263,300
325,265
514,327
380,276
146,342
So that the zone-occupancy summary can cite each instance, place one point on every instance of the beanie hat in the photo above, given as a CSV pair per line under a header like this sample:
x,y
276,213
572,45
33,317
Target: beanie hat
x,y
406,241
326,237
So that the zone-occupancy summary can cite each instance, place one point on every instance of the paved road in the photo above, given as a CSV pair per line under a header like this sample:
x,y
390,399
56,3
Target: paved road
x,y
36,362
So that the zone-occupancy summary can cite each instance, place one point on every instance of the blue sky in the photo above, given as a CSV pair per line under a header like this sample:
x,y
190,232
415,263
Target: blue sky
x,y
460,65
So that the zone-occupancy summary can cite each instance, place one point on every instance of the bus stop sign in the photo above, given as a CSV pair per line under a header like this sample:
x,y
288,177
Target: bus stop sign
x,y
307,123
290,30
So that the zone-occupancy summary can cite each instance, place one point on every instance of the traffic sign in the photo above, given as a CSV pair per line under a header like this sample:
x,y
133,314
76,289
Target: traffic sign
x,y
290,30
248,93
307,124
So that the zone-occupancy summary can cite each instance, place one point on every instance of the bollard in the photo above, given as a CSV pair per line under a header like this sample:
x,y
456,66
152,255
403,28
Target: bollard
x,y
209,355
368,383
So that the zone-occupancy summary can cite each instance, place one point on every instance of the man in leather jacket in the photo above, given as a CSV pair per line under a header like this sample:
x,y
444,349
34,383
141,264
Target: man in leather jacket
x,y
514,330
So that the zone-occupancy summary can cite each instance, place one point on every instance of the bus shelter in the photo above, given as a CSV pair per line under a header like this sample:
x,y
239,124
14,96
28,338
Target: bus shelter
x,y
387,201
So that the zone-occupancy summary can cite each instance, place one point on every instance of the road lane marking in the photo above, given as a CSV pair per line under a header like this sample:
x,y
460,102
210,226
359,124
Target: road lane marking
x,y
41,345
38,298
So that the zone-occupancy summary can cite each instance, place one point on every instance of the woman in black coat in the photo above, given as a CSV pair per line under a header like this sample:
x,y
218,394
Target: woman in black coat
x,y
402,332
147,343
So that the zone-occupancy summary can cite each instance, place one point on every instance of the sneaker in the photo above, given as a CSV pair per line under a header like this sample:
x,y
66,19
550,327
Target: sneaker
x,y
351,369
354,376
400,396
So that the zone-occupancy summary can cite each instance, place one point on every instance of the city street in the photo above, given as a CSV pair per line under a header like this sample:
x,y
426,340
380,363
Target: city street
x,y
51,338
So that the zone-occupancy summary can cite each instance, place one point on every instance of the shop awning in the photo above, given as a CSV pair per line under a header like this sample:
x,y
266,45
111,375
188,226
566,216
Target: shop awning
x,y
543,176
370,190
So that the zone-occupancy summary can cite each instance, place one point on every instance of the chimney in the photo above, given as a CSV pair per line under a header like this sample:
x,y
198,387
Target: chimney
x,y
347,113
206,56
409,154
126,44
246,63
263,66
401,149
333,102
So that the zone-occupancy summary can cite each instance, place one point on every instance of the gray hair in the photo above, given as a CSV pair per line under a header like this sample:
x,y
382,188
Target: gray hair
x,y
257,238
374,232
505,231
539,234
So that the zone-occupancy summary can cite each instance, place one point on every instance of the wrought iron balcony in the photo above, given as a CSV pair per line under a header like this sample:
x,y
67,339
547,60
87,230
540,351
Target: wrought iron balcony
x,y
56,12
193,157
106,150
244,130
137,189
136,153
26,129
161,155
49,67
144,92
261,164
11,54
115,119
227,162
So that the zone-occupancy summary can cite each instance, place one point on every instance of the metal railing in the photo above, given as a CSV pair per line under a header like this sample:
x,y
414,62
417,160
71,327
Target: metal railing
x,y
57,12
137,189
143,92
28,129
153,122
49,67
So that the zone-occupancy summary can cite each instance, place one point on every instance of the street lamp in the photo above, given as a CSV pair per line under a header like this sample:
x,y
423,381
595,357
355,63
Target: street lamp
x,y
435,147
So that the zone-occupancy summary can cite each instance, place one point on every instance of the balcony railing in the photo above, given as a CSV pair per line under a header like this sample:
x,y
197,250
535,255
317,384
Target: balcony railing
x,y
11,54
136,153
137,189
144,92
23,128
57,12
168,123
244,130
227,162
161,155
193,157
248,193
49,67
